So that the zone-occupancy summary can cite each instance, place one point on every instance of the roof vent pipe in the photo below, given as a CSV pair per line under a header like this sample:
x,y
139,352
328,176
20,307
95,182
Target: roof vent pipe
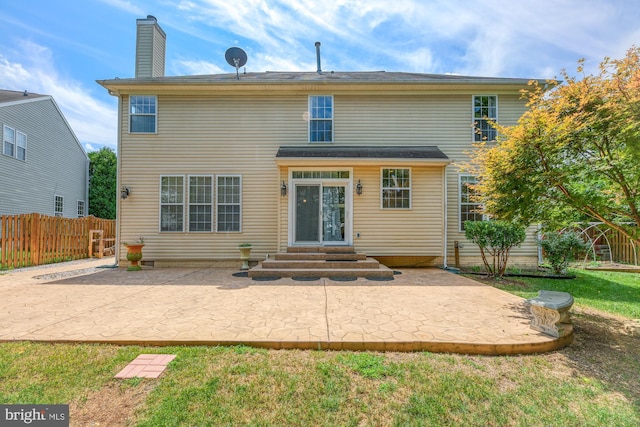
x,y
318,57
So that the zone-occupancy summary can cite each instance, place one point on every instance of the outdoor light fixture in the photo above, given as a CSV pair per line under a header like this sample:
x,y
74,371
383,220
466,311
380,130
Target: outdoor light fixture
x,y
124,192
358,188
283,189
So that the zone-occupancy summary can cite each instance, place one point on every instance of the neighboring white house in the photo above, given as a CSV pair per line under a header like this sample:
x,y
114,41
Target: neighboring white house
x,y
43,167
280,159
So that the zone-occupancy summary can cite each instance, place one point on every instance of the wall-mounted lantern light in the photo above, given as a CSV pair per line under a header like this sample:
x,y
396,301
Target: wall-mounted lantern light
x,y
358,188
124,192
283,189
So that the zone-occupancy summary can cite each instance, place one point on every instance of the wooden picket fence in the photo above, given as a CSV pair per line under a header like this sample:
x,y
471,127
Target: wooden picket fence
x,y
34,239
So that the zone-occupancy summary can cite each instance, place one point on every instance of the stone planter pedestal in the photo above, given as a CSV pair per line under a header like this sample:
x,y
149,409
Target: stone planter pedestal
x,y
245,256
550,310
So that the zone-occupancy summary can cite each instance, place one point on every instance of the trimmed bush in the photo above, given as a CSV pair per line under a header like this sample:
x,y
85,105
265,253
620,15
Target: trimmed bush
x,y
495,238
562,248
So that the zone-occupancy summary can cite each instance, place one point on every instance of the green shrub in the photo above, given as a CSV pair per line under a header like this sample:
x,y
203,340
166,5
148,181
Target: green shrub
x,y
562,248
495,238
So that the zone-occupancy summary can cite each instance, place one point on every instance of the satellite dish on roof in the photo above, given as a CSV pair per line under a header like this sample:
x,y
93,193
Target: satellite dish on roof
x,y
236,57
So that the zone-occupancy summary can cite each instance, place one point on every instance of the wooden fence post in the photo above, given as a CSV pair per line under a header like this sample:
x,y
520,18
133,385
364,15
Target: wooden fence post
x,y
33,238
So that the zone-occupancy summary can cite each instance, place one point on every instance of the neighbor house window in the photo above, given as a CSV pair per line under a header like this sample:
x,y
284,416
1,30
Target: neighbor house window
x,y
485,109
470,209
142,113
396,188
80,208
8,141
228,202
321,118
171,203
21,146
58,205
200,203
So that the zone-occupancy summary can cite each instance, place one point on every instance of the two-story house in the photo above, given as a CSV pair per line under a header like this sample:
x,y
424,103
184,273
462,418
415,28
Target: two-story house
x,y
286,159
43,167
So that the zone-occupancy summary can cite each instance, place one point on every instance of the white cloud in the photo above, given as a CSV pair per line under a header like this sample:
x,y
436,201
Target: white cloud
x,y
503,37
93,121
187,68
125,5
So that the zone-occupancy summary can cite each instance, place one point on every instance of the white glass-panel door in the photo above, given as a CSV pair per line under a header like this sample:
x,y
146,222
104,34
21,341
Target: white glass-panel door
x,y
307,209
333,213
320,213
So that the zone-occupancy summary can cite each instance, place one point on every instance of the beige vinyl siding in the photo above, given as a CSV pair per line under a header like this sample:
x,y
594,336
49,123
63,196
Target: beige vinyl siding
x,y
159,41
510,108
416,231
239,135
400,232
144,40
216,136
55,162
404,120
150,50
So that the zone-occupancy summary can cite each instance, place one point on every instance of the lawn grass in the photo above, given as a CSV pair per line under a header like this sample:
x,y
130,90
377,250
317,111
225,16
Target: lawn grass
x,y
593,382
246,386
612,292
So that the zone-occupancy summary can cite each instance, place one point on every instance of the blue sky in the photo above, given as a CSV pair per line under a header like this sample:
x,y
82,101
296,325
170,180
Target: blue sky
x,y
60,47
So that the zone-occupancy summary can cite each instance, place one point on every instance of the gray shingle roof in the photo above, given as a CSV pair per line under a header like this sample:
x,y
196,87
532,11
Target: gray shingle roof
x,y
362,152
326,76
12,95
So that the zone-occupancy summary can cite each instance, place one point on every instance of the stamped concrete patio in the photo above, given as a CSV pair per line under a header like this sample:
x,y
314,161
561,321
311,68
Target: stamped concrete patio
x,y
421,309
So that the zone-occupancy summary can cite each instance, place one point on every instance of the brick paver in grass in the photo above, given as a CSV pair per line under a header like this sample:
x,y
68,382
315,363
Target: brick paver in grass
x,y
146,366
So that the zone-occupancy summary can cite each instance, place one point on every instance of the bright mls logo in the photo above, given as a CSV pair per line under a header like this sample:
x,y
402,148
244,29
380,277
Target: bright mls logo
x,y
34,415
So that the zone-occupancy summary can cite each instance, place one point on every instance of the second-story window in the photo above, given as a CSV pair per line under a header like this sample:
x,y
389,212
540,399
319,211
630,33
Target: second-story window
x,y
21,146
321,118
9,141
142,113
485,109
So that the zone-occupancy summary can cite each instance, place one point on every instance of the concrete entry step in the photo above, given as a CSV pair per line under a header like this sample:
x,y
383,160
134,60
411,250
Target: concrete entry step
x,y
380,272
321,261
319,256
320,264
321,249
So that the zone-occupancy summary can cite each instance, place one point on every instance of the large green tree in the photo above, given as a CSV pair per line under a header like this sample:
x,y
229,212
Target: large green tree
x,y
574,155
102,183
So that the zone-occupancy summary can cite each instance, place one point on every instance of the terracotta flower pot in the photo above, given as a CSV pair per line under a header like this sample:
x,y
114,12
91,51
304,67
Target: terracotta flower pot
x,y
134,254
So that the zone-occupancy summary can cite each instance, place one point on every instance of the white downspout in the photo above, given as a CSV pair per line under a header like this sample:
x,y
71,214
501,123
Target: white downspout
x,y
445,213
118,178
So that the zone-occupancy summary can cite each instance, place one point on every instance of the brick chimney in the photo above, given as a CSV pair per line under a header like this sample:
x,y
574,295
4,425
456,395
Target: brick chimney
x,y
151,44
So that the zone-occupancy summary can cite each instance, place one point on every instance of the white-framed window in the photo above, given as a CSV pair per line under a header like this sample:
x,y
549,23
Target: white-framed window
x,y
200,199
321,118
81,212
200,202
21,146
485,109
470,209
8,141
228,203
143,113
172,203
396,188
58,205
